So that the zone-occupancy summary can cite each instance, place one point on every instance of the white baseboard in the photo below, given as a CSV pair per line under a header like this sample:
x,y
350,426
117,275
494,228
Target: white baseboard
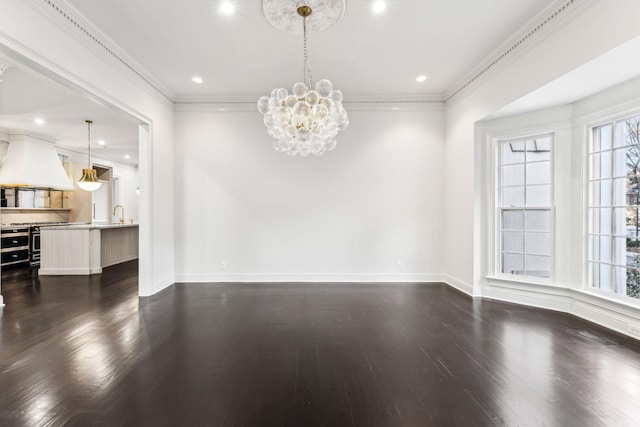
x,y
68,271
158,286
310,278
458,284
611,313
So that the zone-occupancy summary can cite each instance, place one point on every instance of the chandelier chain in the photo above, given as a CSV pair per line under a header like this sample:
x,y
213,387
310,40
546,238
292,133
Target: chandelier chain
x,y
306,66
89,143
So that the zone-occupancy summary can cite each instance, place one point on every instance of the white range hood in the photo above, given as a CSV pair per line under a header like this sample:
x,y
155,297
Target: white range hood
x,y
33,162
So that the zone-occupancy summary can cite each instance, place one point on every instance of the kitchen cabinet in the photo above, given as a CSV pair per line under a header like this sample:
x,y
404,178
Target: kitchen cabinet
x,y
15,246
101,209
80,249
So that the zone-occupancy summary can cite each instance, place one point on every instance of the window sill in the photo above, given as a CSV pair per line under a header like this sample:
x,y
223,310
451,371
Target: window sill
x,y
609,298
522,281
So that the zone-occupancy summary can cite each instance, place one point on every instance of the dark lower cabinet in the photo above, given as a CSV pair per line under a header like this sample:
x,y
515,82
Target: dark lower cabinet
x,y
15,257
14,246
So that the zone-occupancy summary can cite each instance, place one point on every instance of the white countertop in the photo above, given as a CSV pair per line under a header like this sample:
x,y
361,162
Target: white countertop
x,y
85,226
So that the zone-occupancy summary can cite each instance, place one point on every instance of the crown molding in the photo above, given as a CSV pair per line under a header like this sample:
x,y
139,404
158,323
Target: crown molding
x,y
72,21
543,23
355,102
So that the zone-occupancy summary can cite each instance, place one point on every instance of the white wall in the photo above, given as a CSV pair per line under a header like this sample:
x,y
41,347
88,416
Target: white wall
x,y
350,215
48,40
595,28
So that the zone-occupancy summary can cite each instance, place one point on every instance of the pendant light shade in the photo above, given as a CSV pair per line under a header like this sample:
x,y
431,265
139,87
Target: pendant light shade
x,y
89,180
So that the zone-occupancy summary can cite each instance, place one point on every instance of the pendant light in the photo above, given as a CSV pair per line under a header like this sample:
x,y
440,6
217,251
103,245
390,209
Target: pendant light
x,y
89,180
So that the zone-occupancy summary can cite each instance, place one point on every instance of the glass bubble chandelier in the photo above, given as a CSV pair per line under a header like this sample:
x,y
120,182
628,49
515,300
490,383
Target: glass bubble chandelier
x,y
307,120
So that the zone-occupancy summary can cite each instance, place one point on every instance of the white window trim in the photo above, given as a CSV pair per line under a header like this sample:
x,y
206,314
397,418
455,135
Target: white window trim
x,y
494,258
588,124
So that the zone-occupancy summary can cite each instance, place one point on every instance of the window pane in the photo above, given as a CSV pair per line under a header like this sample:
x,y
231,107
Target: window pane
x,y
606,133
595,141
512,152
595,275
538,243
633,222
620,162
594,219
539,149
538,266
594,166
513,241
513,175
594,193
538,220
513,219
606,198
631,130
620,251
539,173
620,280
539,195
513,263
605,277
605,249
606,166
620,221
633,283
632,187
513,196
594,248
605,221
620,192
633,254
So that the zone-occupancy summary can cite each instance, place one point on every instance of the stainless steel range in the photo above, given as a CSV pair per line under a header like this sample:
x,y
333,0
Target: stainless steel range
x,y
34,247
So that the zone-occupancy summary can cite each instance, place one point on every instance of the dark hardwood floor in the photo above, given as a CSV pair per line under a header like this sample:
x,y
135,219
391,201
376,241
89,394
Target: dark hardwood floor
x,y
84,351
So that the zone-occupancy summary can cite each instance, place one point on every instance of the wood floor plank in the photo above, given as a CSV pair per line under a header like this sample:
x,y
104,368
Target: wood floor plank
x,y
85,351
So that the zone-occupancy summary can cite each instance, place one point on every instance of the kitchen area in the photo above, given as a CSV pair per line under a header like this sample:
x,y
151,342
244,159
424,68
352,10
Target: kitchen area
x,y
45,240
52,223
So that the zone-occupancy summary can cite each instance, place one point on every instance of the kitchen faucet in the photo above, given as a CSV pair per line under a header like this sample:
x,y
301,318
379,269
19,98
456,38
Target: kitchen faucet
x,y
122,216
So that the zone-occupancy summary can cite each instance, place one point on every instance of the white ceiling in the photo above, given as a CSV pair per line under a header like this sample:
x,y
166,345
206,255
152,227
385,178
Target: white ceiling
x,y
243,55
26,95
614,67
365,53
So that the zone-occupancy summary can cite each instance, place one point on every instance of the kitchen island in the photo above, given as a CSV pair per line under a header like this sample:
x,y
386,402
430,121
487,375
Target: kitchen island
x,y
82,249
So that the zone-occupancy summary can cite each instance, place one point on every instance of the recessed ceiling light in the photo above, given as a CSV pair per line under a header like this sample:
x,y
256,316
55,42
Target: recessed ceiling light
x,y
227,8
101,142
421,79
197,79
39,121
126,156
379,6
